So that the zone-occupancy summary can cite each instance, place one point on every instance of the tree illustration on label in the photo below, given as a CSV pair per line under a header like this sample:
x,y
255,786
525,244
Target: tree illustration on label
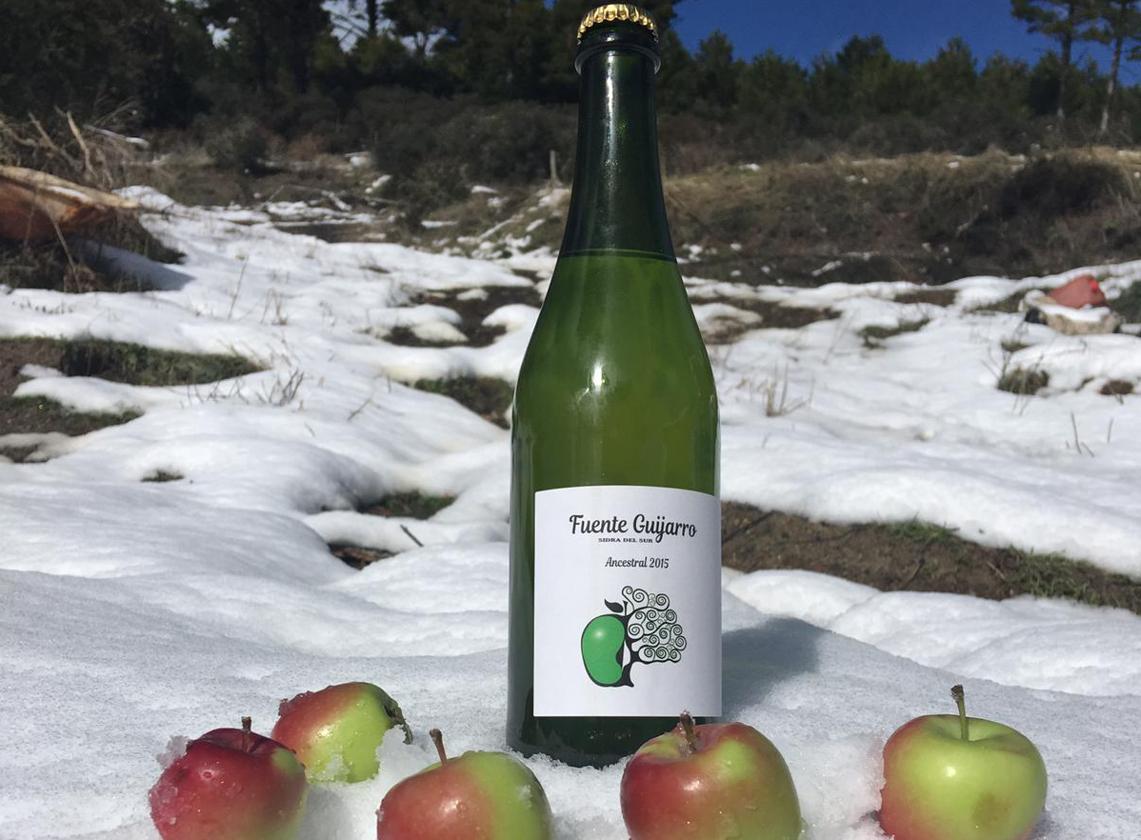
x,y
641,629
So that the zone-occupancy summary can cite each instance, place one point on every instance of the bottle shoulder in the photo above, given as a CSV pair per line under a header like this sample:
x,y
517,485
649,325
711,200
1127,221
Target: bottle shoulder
x,y
624,383
633,327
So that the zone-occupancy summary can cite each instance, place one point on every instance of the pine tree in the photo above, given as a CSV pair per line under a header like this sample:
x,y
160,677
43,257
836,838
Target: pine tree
x,y
677,81
561,81
272,41
94,57
952,71
773,100
1066,22
717,72
1118,24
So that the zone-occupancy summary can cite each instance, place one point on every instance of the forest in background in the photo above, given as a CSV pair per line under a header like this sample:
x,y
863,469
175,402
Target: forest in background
x,y
244,99
412,80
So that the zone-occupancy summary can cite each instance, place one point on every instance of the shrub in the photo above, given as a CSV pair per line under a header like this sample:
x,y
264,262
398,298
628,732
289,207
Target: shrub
x,y
897,134
1128,304
1023,381
437,148
508,142
242,146
433,184
1055,186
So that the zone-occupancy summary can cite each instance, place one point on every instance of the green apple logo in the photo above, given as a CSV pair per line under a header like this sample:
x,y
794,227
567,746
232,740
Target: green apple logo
x,y
642,628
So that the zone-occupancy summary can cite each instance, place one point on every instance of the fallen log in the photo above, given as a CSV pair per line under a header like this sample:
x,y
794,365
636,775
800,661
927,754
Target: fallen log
x,y
36,206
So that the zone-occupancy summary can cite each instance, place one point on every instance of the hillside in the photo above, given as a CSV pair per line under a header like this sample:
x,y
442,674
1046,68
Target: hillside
x,y
926,218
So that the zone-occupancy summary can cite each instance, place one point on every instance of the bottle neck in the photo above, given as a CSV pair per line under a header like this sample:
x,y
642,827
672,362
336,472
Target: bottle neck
x,y
617,204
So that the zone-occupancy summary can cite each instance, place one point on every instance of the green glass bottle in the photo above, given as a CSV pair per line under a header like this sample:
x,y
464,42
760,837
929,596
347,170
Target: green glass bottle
x,y
615,612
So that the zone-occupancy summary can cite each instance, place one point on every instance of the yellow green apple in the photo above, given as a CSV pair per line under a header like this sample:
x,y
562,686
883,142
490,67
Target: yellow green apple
x,y
953,777
336,731
478,796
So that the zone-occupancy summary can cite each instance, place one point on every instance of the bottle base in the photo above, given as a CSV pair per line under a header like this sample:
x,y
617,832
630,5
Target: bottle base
x,y
587,742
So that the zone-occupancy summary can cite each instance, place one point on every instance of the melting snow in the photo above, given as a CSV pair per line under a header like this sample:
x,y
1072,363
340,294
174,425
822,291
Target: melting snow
x,y
135,612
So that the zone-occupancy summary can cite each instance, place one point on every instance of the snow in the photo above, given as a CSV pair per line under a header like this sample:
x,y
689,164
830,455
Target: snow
x,y
915,427
133,613
1092,651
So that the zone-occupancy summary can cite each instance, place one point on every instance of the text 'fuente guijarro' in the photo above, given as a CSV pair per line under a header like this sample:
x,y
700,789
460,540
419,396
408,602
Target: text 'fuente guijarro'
x,y
659,526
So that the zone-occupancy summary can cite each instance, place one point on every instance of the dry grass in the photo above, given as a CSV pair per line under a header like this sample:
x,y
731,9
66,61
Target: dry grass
x,y
489,398
915,556
1117,388
874,336
928,296
926,218
93,155
1023,382
1128,304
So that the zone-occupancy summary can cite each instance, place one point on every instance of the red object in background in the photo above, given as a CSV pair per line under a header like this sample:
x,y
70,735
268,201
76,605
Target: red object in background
x,y
1081,291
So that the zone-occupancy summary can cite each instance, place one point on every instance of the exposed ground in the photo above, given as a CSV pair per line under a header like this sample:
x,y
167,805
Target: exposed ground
x,y
925,218
130,363
472,311
912,556
403,505
36,415
928,218
489,398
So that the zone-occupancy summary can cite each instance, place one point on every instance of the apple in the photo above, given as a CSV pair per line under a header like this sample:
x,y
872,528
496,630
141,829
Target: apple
x,y
949,777
710,782
478,796
230,784
336,731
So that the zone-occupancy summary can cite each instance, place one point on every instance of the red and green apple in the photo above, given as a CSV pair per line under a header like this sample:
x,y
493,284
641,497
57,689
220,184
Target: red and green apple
x,y
953,777
230,784
336,731
478,796
710,782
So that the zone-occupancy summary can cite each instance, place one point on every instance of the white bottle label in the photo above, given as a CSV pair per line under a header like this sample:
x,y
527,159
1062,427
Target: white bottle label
x,y
627,602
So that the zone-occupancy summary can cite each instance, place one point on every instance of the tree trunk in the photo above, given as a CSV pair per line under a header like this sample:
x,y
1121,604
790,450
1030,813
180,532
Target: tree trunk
x,y
260,53
1111,85
1067,50
1120,27
299,41
373,11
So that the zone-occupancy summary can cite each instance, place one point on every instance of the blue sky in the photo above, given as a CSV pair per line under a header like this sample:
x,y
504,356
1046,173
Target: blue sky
x,y
913,29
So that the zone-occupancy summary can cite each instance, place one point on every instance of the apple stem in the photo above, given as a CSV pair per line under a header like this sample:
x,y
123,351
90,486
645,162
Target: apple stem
x,y
690,732
247,728
964,721
438,739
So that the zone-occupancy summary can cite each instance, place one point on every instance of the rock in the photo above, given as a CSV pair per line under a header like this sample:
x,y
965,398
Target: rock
x,y
1089,320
